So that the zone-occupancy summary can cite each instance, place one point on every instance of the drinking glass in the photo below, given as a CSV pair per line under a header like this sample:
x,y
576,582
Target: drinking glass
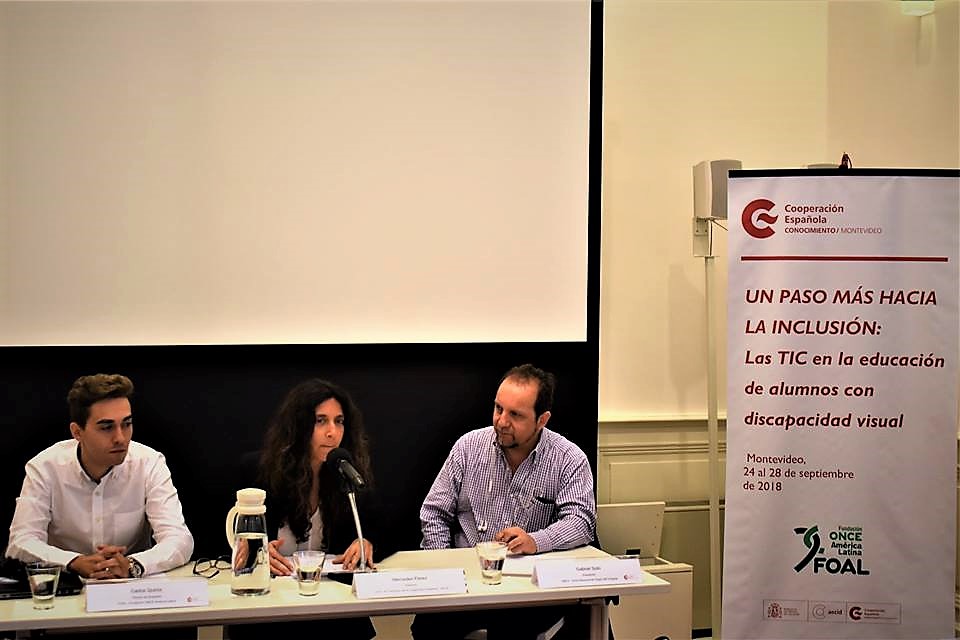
x,y
491,554
308,566
43,578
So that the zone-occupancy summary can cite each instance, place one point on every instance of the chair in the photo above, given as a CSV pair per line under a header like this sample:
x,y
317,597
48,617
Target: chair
x,y
631,527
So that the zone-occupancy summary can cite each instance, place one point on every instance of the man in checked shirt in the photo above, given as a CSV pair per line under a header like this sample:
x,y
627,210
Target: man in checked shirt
x,y
517,482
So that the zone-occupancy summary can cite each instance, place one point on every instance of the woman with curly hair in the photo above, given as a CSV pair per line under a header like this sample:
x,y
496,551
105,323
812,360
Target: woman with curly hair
x,y
305,495
306,508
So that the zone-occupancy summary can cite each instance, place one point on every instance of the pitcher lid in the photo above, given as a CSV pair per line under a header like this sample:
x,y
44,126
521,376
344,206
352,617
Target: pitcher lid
x,y
251,497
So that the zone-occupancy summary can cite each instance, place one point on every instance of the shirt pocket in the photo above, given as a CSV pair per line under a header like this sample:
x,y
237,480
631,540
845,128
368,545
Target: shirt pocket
x,y
541,503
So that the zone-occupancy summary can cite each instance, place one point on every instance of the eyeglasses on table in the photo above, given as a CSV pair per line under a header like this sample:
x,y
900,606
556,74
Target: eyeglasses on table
x,y
210,567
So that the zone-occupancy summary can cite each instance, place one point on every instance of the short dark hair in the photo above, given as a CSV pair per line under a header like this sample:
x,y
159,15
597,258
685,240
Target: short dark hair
x,y
546,383
87,390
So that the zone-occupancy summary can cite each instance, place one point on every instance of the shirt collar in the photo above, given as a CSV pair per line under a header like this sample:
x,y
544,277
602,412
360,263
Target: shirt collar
x,y
86,476
543,445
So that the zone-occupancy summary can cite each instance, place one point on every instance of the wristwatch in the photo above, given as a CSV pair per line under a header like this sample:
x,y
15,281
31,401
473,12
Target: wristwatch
x,y
136,569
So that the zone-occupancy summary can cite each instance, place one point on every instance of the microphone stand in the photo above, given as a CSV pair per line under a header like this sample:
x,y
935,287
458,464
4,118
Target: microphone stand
x,y
362,567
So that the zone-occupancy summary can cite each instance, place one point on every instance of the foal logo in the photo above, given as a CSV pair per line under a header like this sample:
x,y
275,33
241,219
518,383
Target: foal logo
x,y
846,544
811,538
750,222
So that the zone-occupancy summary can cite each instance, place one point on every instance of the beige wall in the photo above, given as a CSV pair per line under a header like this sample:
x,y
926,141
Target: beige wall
x,y
892,85
685,82
776,84
4,233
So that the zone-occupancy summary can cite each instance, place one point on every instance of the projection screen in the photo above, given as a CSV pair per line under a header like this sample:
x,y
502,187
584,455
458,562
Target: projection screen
x,y
293,172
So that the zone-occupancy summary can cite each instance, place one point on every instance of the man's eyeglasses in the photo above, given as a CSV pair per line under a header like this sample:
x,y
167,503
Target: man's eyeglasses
x,y
207,568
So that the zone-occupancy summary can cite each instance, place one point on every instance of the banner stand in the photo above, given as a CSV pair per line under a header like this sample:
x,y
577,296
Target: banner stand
x,y
843,309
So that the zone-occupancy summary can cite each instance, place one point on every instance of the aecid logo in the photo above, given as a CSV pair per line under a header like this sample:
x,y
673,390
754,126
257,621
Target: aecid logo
x,y
821,563
759,226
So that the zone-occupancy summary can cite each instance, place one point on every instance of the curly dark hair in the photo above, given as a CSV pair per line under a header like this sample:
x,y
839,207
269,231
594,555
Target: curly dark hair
x,y
285,466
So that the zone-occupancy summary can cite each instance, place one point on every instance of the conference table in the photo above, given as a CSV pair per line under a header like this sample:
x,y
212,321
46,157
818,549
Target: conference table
x,y
336,600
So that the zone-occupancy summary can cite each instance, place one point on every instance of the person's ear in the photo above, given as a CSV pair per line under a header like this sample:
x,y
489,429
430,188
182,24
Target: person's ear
x,y
543,419
75,430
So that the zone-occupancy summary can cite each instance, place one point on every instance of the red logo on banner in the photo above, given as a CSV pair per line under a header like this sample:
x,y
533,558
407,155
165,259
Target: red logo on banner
x,y
750,225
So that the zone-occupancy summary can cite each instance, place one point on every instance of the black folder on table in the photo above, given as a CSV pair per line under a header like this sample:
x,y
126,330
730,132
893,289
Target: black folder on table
x,y
14,584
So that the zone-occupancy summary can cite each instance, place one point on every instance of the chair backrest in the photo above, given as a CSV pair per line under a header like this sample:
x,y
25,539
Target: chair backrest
x,y
633,527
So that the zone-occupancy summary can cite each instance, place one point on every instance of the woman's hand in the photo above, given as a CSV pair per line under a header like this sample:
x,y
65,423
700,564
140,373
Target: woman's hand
x,y
351,557
279,566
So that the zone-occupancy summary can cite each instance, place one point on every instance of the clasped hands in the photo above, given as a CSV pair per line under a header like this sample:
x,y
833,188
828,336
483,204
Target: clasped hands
x,y
108,562
281,566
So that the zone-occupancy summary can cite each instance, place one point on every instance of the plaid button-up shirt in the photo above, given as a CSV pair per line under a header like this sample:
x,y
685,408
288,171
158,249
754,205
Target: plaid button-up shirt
x,y
476,495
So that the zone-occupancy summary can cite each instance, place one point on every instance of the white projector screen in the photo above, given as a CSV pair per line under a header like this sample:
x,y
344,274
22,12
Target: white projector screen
x,y
303,172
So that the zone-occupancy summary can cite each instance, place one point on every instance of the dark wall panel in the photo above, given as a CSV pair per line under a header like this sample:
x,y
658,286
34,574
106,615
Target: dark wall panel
x,y
203,406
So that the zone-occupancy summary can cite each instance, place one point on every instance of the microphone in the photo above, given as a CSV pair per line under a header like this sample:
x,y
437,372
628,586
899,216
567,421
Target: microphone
x,y
341,460
352,482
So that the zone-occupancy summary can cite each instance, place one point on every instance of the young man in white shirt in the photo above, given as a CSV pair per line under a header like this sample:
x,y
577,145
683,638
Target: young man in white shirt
x,y
93,503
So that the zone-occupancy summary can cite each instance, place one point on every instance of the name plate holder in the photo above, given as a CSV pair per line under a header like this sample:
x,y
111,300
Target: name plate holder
x,y
147,593
583,572
399,584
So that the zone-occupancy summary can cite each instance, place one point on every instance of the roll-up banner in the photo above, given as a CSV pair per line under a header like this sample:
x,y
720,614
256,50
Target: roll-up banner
x,y
841,476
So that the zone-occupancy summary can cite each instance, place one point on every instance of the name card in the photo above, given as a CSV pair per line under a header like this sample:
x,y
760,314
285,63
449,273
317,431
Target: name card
x,y
397,584
580,572
148,593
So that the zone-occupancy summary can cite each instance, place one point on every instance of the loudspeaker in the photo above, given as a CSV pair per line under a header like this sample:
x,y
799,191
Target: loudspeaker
x,y
710,187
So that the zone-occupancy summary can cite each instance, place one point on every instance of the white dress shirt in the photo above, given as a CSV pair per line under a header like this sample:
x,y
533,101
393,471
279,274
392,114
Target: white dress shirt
x,y
61,513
